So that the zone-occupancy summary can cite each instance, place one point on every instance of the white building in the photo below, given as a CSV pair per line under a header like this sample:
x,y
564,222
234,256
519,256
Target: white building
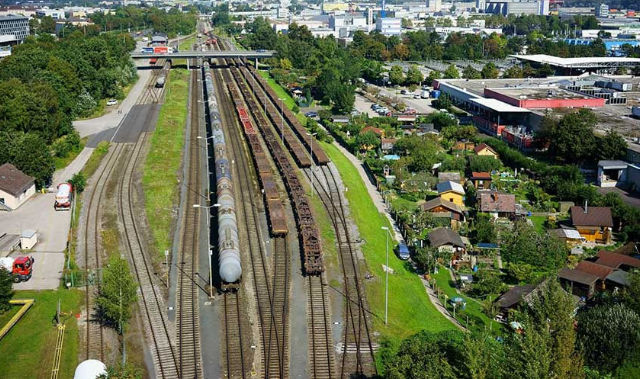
x,y
434,5
389,26
517,7
602,10
56,14
15,187
14,27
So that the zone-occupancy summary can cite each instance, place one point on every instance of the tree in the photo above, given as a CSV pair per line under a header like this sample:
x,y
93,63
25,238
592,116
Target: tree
x,y
425,258
483,356
487,282
471,73
523,244
6,290
426,355
127,371
608,334
571,139
484,230
78,181
396,76
451,72
632,294
47,25
414,76
443,102
367,140
29,157
483,163
612,146
490,71
433,75
117,293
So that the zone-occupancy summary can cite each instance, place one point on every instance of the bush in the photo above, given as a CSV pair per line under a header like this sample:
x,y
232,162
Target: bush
x,y
78,181
481,163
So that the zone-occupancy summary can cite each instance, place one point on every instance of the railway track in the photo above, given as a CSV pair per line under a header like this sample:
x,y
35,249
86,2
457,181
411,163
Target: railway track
x,y
271,297
150,298
152,94
187,312
92,256
357,346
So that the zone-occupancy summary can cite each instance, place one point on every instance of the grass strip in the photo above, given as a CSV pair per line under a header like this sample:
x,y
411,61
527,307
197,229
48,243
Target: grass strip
x,y
284,95
25,352
409,307
162,165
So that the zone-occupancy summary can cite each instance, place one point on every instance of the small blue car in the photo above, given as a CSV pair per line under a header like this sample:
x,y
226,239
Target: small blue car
x,y
403,252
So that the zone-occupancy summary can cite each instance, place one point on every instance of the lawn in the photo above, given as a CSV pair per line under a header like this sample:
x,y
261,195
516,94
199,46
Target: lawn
x,y
477,319
186,44
409,307
538,222
27,350
161,168
6,316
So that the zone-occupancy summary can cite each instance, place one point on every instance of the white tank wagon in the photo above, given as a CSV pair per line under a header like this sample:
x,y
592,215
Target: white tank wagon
x,y
230,265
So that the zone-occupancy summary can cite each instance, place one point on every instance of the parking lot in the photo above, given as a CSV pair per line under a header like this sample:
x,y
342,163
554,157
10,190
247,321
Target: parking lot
x,y
52,227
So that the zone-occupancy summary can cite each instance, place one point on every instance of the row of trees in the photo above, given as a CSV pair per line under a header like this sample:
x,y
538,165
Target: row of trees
x,y
605,342
171,22
46,83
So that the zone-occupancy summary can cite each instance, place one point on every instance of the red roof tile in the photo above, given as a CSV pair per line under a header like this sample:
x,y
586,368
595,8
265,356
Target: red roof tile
x,y
497,202
481,175
483,146
595,269
616,260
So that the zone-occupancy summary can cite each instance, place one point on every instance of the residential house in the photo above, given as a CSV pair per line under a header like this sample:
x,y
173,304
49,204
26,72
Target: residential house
x,y
601,271
515,296
485,150
451,191
387,144
449,177
497,204
617,261
464,146
593,223
443,208
16,187
481,180
570,236
446,239
578,282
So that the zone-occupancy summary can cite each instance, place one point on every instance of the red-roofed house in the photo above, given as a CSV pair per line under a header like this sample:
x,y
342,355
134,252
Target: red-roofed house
x,y
481,180
593,223
486,150
497,204
615,260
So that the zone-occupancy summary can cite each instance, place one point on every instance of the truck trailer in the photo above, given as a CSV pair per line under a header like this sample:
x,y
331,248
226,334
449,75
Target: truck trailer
x,y
64,196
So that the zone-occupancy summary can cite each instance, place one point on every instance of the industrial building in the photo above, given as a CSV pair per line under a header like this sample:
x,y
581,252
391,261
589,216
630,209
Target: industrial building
x,y
514,108
389,26
517,7
573,66
14,28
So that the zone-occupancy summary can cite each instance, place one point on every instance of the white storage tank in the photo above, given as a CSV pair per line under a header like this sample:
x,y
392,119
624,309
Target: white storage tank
x,y
90,369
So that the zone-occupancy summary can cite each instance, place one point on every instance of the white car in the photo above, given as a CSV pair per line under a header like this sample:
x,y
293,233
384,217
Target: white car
x,y
112,102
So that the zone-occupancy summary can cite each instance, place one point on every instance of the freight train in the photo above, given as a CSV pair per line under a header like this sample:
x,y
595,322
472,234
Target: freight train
x,y
230,267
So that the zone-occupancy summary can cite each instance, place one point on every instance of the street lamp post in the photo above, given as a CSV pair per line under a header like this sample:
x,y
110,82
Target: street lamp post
x,y
386,280
216,205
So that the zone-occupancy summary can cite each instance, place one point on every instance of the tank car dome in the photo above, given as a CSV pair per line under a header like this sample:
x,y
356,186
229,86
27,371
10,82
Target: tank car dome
x,y
90,369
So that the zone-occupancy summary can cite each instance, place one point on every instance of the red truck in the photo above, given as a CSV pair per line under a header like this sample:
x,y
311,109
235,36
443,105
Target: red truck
x,y
20,268
161,49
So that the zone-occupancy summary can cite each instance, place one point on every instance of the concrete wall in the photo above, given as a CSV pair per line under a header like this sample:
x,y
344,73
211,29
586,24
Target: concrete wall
x,y
15,202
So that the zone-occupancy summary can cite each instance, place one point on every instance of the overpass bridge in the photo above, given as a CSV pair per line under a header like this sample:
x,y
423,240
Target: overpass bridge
x,y
190,54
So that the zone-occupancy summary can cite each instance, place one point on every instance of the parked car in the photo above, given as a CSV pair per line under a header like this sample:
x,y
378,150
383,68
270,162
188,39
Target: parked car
x,y
404,92
311,114
416,95
403,251
112,102
410,111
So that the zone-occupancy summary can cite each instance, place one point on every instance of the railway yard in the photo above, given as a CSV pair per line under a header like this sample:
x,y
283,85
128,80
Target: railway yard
x,y
249,172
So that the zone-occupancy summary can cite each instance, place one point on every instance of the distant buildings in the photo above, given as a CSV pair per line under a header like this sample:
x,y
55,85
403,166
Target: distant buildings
x,y
14,27
434,5
389,26
517,7
602,10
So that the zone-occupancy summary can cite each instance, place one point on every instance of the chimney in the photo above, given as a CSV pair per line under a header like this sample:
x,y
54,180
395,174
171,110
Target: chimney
x,y
585,206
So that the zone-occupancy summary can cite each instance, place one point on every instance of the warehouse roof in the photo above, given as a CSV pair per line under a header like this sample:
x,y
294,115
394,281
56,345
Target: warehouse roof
x,y
577,62
498,106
